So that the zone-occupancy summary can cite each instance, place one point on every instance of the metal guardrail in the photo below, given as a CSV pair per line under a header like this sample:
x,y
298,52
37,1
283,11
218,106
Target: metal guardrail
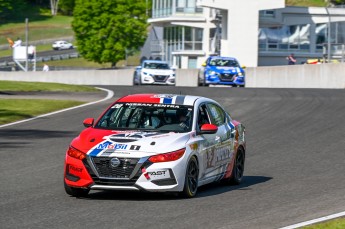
x,y
11,64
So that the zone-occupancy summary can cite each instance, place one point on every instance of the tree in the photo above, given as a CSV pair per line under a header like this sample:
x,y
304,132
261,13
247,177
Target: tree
x,y
336,2
105,29
54,6
9,9
66,6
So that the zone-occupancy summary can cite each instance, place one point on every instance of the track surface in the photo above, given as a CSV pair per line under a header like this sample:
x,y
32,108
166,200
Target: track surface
x,y
295,168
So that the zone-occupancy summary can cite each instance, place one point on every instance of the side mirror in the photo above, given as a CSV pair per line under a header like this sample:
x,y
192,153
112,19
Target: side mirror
x,y
208,129
203,64
88,122
243,67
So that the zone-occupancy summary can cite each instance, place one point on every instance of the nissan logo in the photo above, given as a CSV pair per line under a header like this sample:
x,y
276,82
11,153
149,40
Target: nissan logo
x,y
115,162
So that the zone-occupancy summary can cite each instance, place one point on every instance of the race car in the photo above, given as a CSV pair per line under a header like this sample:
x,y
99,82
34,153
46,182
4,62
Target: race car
x,y
222,70
156,143
154,72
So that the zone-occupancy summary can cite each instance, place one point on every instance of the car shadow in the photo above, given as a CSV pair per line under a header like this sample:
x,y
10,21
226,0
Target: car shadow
x,y
204,191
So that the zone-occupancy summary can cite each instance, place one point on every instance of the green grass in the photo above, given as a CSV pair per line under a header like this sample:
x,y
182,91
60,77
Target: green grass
x,y
319,3
17,109
36,86
51,27
332,224
12,110
78,62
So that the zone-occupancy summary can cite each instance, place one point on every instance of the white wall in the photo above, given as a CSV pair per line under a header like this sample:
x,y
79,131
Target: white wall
x,y
296,76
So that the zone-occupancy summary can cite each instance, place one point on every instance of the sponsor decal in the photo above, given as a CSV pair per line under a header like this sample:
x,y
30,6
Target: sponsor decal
x,y
134,147
140,104
194,146
74,170
218,155
163,105
166,105
157,173
109,145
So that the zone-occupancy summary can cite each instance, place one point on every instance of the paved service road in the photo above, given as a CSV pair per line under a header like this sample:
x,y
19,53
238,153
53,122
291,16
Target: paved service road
x,y
294,168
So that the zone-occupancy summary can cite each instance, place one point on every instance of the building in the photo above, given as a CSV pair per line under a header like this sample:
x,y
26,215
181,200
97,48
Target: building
x,y
308,32
186,32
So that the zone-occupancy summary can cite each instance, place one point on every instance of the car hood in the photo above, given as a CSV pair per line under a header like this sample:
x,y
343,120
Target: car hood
x,y
99,142
158,71
225,69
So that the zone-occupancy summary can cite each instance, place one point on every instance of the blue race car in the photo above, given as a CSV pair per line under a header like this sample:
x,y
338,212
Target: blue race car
x,y
222,70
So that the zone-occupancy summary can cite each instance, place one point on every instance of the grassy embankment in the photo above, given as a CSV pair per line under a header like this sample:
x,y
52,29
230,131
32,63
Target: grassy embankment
x,y
17,109
48,27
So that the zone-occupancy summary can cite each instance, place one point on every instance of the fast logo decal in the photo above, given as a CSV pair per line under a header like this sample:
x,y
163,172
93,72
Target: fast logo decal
x,y
156,175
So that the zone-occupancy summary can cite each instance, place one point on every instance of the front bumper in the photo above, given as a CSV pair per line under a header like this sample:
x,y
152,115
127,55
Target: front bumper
x,y
137,174
157,79
215,79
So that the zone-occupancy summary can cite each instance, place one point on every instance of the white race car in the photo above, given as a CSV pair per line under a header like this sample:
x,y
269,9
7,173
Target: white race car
x,y
156,143
154,72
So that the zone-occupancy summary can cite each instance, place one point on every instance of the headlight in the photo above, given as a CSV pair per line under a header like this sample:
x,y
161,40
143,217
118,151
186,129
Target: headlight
x,y
240,74
73,152
212,73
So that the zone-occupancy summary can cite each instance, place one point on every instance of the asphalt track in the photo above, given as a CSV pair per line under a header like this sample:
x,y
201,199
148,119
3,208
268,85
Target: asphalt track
x,y
295,168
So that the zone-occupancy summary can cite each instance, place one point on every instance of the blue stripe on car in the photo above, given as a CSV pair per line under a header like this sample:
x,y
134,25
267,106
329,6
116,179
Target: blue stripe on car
x,y
99,148
167,100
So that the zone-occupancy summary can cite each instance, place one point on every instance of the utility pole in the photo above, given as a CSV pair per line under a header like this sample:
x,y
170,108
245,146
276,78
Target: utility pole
x,y
27,43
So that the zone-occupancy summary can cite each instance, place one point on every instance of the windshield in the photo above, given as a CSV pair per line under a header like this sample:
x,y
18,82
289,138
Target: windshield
x,y
223,63
156,65
148,117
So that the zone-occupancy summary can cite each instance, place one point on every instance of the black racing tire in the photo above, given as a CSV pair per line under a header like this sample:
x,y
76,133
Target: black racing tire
x,y
242,85
238,169
139,79
204,83
191,179
76,192
134,76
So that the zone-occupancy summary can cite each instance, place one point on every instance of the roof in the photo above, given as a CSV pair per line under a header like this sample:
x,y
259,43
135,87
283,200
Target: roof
x,y
155,61
160,99
223,57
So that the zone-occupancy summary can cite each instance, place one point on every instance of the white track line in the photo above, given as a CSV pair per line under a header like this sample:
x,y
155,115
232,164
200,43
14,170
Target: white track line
x,y
109,95
325,218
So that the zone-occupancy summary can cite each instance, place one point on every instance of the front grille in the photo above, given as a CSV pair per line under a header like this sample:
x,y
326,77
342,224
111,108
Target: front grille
x,y
160,78
228,77
104,169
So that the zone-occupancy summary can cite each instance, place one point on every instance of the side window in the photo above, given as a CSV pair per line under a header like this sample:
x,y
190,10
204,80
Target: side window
x,y
202,116
217,114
